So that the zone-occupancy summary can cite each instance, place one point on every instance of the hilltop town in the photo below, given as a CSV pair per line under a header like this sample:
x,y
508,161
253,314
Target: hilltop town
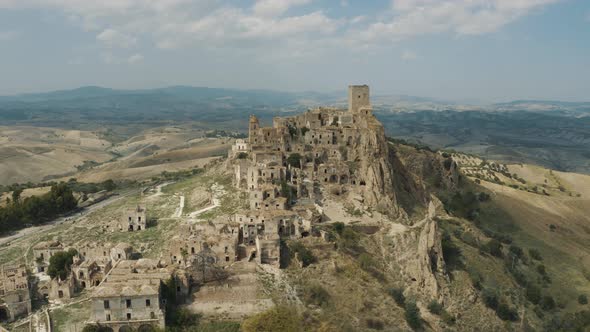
x,y
285,173
318,218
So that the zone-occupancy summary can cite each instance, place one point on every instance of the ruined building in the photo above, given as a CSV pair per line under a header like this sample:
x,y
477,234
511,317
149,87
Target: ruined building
x,y
133,219
15,299
287,169
130,298
43,252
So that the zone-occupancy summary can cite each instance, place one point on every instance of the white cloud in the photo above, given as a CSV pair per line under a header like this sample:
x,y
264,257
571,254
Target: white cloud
x,y
275,7
8,35
270,25
408,55
135,58
410,18
114,38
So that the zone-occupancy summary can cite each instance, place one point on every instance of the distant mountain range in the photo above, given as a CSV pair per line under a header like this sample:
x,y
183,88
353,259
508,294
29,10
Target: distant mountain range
x,y
91,96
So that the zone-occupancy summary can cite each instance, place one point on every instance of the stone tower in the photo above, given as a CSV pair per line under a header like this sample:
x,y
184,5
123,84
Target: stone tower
x,y
358,98
252,127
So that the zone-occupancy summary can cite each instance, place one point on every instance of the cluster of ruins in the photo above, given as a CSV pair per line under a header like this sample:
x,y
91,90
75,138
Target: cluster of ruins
x,y
284,170
15,300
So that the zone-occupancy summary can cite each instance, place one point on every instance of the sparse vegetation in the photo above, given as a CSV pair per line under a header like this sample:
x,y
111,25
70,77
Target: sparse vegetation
x,y
398,295
304,255
315,294
280,318
412,315
435,307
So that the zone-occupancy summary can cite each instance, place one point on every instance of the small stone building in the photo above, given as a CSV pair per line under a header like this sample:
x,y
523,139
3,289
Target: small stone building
x,y
60,290
15,298
131,297
134,219
43,251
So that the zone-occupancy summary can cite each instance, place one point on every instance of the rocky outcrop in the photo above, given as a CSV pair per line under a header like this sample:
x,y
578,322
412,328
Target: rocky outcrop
x,y
371,152
418,253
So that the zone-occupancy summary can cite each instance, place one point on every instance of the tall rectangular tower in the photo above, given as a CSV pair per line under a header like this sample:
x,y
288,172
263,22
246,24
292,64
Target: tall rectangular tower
x,y
358,98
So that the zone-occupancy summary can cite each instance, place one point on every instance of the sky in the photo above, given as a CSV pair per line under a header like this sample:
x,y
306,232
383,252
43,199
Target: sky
x,y
487,50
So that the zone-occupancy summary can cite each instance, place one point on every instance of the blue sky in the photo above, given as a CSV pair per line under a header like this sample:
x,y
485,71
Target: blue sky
x,y
488,50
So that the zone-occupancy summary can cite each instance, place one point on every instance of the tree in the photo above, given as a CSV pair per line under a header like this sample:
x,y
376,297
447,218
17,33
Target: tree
x,y
60,263
294,160
242,155
109,185
582,299
16,195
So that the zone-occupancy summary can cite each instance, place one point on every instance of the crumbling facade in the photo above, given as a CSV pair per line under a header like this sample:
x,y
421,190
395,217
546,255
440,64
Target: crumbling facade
x,y
131,297
134,219
15,298
287,169
43,251
95,260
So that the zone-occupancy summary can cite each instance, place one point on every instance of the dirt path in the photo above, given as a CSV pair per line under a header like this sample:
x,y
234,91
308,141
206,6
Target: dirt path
x,y
217,192
178,212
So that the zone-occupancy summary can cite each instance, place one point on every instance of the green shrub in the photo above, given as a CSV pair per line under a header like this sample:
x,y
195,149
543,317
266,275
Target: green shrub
x,y
495,248
398,296
413,315
475,277
533,293
535,254
451,253
448,318
504,312
490,298
181,317
338,227
516,251
469,239
349,241
366,262
95,328
582,299
305,255
435,307
547,303
276,319
316,294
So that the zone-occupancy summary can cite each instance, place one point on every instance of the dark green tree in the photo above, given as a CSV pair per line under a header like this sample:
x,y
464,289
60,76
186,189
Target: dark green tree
x,y
60,263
